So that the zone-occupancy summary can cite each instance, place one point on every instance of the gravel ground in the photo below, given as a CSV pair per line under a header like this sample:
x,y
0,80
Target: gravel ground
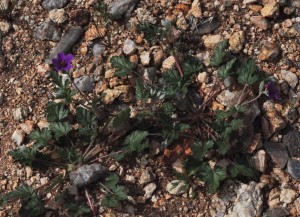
x,y
266,30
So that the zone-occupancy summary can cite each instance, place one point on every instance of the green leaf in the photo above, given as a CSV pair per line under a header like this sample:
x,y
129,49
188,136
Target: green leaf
x,y
76,210
200,149
56,112
168,108
112,180
219,54
246,72
85,131
22,192
213,177
41,137
236,169
24,155
32,207
225,70
222,115
140,92
112,200
60,129
122,65
121,119
86,117
69,154
151,32
57,79
136,141
191,66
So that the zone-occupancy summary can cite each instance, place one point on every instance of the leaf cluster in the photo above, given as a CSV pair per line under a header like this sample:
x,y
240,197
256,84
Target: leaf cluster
x,y
152,32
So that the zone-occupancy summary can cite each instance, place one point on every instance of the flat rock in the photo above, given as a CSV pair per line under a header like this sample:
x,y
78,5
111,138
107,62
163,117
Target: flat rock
x,y
58,15
48,31
207,26
212,41
270,10
278,152
54,4
168,63
129,47
87,174
292,140
290,77
27,127
177,187
229,98
260,22
260,161
147,176
145,58
120,7
287,195
293,168
276,212
67,42
84,83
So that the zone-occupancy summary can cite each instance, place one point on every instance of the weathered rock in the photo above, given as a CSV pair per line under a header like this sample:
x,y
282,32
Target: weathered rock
x,y
260,22
54,4
269,10
196,9
19,114
278,152
276,212
269,51
177,187
129,47
229,98
236,41
145,58
158,56
4,27
67,42
18,136
87,174
149,189
119,8
147,176
249,2
80,17
98,49
58,15
248,201
168,63
47,31
72,190
293,168
292,140
290,77
84,83
212,41
207,26
27,127
287,195
260,161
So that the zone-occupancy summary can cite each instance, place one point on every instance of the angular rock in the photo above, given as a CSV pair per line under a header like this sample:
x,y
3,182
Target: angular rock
x,y
269,10
168,63
47,31
54,4
276,212
177,187
147,176
129,47
287,195
87,174
248,201
98,49
84,83
119,8
229,98
278,153
269,51
290,77
292,141
27,127
208,26
66,42
80,17
236,41
260,22
196,9
18,136
145,58
149,189
57,15
212,41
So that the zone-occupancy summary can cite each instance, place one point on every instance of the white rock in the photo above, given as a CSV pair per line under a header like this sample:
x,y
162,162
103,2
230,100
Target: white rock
x,y
260,161
4,26
27,127
18,136
145,58
98,49
177,187
149,189
129,47
290,78
287,195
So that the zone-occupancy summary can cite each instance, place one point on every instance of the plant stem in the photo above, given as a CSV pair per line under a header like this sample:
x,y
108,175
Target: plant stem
x,y
90,202
239,101
252,100
106,188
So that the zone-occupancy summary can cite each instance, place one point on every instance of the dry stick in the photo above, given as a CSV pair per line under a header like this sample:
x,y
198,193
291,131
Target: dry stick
x,y
209,98
90,202
106,188
178,66
239,101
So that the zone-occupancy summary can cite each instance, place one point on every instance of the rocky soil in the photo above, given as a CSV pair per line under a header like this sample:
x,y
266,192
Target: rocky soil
x,y
33,32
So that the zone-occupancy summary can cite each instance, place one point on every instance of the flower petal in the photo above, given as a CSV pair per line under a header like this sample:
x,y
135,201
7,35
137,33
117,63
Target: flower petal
x,y
61,56
69,57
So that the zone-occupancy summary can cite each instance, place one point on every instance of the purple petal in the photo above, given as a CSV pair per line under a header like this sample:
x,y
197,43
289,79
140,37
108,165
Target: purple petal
x,y
68,67
69,57
54,61
61,56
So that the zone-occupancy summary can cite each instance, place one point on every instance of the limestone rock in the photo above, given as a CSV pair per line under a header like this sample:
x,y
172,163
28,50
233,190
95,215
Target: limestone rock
x,y
129,47
177,187
58,15
212,41
236,41
269,10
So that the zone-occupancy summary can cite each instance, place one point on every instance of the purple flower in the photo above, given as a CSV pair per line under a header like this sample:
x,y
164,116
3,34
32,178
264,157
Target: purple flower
x,y
271,91
63,62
